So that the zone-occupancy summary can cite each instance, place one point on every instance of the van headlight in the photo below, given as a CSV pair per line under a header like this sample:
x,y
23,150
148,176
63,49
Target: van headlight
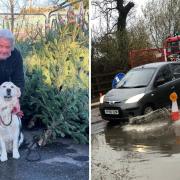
x,y
101,99
135,98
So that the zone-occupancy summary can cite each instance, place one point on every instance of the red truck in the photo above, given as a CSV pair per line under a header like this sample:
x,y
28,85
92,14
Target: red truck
x,y
172,48
169,52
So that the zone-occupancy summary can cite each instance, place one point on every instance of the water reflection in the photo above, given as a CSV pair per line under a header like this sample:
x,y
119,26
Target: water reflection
x,y
161,141
118,154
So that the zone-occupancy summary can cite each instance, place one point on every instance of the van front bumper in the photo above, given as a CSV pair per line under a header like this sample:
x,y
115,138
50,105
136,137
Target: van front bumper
x,y
124,111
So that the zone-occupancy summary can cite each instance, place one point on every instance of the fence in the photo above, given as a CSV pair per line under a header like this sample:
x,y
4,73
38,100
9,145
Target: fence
x,y
101,83
24,24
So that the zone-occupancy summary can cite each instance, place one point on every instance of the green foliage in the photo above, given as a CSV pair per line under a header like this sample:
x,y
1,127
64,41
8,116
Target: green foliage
x,y
56,91
110,53
63,112
63,60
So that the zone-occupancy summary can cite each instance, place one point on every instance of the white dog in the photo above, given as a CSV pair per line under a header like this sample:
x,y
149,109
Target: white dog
x,y
10,135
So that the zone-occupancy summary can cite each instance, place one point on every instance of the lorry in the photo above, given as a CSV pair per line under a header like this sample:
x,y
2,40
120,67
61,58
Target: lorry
x,y
169,52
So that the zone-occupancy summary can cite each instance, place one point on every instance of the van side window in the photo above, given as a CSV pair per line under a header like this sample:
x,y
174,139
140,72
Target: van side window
x,y
164,75
176,70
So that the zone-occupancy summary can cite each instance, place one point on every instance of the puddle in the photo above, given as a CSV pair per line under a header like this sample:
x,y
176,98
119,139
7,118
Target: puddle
x,y
147,153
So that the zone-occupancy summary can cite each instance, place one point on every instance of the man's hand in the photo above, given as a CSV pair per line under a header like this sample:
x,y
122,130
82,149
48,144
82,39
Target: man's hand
x,y
19,113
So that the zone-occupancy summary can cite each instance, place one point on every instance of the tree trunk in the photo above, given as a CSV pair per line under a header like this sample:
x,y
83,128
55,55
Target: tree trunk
x,y
122,37
123,12
123,49
12,14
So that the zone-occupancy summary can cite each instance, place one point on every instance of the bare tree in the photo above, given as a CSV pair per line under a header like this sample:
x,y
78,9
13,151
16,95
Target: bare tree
x,y
11,7
114,12
138,36
113,44
162,19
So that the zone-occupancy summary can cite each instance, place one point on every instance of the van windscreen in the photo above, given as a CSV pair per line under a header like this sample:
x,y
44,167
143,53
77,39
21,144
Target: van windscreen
x,y
137,78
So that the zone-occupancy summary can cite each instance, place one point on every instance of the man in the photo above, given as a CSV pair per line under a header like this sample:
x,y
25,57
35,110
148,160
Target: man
x,y
11,63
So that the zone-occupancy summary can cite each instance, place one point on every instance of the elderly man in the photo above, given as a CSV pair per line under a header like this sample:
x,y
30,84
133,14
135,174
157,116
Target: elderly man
x,y
11,63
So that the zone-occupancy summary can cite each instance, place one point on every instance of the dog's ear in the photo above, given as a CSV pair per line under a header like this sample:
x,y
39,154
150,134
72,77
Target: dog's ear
x,y
18,92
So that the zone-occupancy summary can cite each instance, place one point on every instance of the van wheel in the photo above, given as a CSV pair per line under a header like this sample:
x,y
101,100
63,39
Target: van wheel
x,y
148,109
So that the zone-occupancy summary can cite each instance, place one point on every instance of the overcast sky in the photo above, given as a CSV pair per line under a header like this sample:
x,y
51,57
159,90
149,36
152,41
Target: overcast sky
x,y
35,3
45,2
41,2
139,4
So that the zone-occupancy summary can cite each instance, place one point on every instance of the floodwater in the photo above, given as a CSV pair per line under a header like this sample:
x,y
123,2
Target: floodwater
x,y
122,152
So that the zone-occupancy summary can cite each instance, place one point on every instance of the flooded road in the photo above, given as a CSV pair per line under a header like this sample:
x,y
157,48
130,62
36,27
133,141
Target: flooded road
x,y
118,153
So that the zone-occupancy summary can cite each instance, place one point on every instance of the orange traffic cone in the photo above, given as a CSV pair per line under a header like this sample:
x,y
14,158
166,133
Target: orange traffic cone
x,y
175,111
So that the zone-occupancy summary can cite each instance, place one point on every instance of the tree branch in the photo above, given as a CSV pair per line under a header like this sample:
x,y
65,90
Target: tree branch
x,y
128,7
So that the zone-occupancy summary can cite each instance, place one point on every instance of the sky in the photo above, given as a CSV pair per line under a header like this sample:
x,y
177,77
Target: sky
x,y
35,3
139,4
44,2
3,6
41,2
38,2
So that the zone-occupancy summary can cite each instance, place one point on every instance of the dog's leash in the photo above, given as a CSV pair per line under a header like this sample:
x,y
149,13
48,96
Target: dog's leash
x,y
33,147
4,122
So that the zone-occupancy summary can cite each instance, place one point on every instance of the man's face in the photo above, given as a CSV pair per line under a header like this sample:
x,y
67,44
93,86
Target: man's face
x,y
5,48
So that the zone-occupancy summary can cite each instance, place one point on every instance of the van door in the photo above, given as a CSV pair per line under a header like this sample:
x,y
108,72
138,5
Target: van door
x,y
175,68
163,86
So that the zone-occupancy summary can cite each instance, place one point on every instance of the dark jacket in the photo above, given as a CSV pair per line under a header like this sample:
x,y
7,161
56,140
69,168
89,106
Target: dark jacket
x,y
11,69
